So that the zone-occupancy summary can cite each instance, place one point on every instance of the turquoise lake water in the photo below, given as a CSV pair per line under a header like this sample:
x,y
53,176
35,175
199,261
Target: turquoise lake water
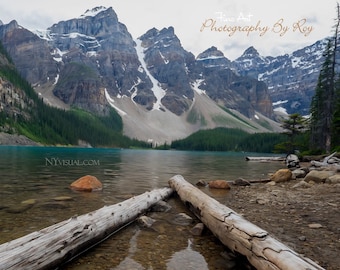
x,y
45,173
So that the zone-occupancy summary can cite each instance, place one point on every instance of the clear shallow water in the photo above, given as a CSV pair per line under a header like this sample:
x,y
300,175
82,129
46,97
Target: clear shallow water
x,y
44,173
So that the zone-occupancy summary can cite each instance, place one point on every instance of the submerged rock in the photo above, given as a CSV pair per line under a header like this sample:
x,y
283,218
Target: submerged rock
x,y
19,208
3,207
182,219
87,183
161,206
63,198
197,229
30,201
145,221
201,183
22,207
54,205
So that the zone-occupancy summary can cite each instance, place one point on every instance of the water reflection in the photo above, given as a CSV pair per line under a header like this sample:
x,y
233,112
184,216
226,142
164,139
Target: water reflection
x,y
129,262
187,259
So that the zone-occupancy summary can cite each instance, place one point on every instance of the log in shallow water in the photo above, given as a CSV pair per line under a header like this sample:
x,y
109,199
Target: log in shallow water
x,y
61,242
238,234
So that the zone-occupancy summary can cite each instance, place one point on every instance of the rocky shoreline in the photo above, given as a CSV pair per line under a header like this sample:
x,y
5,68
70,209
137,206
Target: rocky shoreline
x,y
302,212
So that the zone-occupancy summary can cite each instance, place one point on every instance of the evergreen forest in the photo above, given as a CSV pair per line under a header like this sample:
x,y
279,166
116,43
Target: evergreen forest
x,y
225,139
51,126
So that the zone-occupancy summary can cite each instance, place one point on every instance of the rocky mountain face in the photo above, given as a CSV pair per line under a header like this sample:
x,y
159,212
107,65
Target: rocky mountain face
x,y
31,54
291,78
244,94
13,100
97,56
169,64
92,62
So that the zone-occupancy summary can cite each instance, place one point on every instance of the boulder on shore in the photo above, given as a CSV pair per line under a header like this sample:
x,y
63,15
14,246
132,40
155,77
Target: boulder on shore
x,y
318,176
87,183
334,179
281,175
221,184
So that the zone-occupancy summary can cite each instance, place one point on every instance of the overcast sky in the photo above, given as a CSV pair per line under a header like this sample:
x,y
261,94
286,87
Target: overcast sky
x,y
272,27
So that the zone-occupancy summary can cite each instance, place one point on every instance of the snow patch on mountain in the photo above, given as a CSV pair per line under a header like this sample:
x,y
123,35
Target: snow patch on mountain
x,y
195,86
43,34
164,59
156,89
211,57
56,79
93,12
279,102
57,55
134,90
111,101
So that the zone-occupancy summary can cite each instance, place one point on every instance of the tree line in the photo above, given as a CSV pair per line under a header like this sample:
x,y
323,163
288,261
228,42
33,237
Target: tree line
x,y
228,139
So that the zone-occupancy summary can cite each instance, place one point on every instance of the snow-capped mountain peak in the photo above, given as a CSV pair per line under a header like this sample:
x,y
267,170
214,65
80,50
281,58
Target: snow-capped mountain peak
x,y
93,12
290,77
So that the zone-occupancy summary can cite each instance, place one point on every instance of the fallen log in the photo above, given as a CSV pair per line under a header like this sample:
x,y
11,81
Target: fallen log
x,y
54,245
238,234
327,161
265,159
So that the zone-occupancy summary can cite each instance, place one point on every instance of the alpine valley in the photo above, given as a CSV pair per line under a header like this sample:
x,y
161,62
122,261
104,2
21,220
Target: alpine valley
x,y
161,91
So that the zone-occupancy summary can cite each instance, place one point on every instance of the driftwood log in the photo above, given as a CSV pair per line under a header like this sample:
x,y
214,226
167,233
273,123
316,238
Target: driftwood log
x,y
327,161
59,243
265,159
238,234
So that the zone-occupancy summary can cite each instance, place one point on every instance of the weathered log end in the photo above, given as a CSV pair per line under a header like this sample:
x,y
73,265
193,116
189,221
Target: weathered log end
x,y
239,235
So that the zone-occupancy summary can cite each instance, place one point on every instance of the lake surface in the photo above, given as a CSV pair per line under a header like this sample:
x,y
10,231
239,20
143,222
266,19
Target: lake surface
x,y
39,175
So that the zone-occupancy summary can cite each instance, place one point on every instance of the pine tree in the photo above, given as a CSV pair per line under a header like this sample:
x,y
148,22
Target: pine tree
x,y
323,102
293,126
336,118
319,126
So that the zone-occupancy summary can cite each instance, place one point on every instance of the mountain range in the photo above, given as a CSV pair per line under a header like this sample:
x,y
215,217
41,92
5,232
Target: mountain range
x,y
291,78
161,91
